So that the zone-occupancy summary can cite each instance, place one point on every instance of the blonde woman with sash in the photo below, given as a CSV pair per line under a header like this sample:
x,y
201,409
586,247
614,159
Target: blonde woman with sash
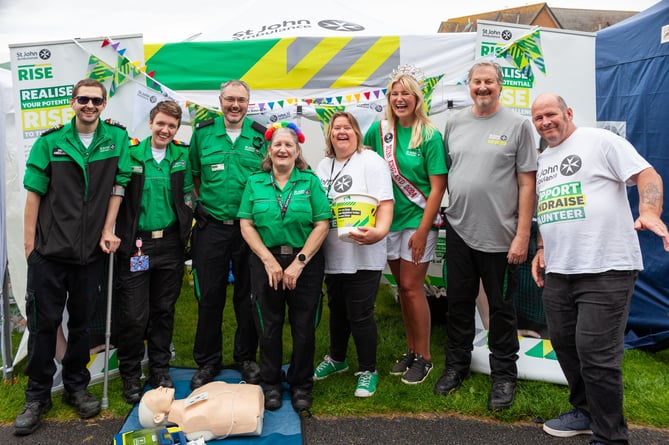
x,y
413,148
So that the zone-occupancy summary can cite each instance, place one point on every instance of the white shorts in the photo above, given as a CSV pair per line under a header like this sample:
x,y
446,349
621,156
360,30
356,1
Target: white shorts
x,y
398,245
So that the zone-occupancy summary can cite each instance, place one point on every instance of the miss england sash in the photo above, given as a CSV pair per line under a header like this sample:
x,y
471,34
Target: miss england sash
x,y
412,193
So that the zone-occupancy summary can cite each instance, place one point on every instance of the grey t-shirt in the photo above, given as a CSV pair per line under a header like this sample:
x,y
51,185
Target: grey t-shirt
x,y
484,154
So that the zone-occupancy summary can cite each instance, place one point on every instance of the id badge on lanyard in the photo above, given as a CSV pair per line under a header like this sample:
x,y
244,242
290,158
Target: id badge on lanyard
x,y
139,262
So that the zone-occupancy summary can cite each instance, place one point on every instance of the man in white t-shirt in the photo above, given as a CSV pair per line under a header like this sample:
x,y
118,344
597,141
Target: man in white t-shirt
x,y
588,260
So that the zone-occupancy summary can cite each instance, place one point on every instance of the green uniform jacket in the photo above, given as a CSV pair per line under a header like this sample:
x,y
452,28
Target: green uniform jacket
x,y
75,184
180,183
307,203
224,167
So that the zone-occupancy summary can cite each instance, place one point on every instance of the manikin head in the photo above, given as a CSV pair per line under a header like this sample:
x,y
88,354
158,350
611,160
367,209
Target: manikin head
x,y
154,407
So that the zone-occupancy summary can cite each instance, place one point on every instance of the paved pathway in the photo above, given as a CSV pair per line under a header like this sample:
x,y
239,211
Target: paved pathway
x,y
423,430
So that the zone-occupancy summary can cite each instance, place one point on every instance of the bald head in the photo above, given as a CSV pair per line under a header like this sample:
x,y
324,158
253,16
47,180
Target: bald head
x,y
552,118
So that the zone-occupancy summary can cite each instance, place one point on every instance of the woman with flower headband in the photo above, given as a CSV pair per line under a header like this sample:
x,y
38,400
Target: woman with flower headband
x,y
413,148
284,217
353,269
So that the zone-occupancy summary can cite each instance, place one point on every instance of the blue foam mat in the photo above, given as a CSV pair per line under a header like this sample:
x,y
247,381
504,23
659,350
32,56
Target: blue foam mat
x,y
280,427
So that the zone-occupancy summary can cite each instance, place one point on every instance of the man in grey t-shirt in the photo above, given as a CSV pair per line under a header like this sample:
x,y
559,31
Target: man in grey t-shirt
x,y
491,184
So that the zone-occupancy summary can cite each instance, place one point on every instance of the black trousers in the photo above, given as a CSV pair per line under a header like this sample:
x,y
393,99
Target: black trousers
x,y
587,315
214,246
467,267
351,299
145,302
53,286
304,303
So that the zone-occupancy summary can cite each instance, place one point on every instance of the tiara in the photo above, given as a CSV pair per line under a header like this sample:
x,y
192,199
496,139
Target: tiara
x,y
283,124
409,70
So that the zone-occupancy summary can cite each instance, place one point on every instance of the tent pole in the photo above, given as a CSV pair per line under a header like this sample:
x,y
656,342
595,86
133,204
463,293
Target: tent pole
x,y
7,360
110,286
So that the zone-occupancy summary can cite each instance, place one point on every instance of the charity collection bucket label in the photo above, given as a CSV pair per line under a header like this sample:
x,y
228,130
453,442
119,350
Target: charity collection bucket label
x,y
352,210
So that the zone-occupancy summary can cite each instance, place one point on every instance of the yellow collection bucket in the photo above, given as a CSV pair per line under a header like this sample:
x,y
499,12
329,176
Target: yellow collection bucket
x,y
352,210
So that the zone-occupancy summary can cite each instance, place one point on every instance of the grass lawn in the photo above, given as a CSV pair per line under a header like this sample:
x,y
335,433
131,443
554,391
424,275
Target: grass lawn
x,y
646,378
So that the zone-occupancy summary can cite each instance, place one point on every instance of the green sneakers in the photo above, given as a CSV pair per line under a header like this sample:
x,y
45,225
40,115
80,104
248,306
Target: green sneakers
x,y
367,382
328,367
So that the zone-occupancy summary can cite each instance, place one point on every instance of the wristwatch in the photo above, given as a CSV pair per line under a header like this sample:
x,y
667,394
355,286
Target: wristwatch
x,y
302,258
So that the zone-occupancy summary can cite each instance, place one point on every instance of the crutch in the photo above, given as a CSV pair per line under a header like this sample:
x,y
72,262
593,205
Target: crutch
x,y
110,279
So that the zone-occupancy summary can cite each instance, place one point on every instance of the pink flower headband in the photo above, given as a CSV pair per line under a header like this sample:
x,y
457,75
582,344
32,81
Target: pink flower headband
x,y
283,124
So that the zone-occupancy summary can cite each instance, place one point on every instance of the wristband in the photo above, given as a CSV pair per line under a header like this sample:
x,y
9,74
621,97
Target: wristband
x,y
117,190
539,247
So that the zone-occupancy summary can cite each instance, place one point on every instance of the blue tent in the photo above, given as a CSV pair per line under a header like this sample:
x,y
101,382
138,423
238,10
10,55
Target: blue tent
x,y
633,87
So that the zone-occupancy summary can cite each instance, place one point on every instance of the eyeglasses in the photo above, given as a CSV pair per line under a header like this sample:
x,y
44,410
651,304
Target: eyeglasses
x,y
83,100
232,100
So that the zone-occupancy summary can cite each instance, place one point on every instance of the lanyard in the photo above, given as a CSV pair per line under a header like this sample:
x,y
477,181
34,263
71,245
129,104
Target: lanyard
x,y
282,205
332,180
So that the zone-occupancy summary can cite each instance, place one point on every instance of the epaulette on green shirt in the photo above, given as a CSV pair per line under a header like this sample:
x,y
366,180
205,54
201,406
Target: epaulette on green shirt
x,y
260,128
180,143
114,123
52,129
204,124
134,142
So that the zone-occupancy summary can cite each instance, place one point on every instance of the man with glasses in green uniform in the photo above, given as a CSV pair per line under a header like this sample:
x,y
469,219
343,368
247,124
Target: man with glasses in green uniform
x,y
224,152
75,177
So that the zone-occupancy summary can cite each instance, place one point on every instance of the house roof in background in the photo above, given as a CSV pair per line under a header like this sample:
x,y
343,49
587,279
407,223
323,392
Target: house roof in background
x,y
541,14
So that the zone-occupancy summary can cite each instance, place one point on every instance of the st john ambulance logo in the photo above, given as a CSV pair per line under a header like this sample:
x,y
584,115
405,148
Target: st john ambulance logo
x,y
570,165
343,184
340,25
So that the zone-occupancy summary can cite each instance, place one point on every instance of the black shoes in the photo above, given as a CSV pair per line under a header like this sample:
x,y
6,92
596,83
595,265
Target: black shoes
x,y
273,399
204,375
449,381
29,419
132,391
250,372
163,379
301,399
501,395
83,401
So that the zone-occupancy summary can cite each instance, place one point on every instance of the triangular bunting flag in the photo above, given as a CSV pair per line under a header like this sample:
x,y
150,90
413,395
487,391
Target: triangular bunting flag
x,y
98,70
428,87
525,52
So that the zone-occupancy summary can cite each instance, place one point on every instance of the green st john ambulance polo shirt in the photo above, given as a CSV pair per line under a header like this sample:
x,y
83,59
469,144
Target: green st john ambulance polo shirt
x,y
305,201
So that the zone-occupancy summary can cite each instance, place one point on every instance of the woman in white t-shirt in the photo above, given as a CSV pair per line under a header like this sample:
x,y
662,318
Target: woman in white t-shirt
x,y
353,267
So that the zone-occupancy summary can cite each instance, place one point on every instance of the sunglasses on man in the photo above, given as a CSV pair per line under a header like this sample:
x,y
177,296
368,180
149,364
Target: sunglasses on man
x,y
83,100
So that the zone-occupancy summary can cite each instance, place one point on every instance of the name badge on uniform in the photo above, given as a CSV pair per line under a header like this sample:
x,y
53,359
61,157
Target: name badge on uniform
x,y
139,262
217,167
